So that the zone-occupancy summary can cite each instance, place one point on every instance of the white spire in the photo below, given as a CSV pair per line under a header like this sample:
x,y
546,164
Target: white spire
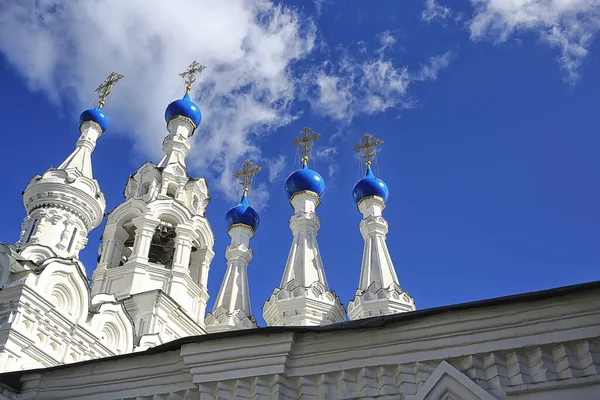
x,y
379,292
304,298
79,163
232,309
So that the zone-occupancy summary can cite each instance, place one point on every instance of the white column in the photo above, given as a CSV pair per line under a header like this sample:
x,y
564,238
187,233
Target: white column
x,y
315,304
145,228
379,292
183,248
232,308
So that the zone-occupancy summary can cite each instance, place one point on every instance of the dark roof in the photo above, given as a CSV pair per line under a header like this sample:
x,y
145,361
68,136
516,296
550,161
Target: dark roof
x,y
13,379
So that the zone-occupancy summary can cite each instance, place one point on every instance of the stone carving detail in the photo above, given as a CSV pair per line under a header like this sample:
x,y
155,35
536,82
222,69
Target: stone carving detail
x,y
493,372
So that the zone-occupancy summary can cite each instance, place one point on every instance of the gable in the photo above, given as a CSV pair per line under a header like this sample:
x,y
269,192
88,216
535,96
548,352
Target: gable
x,y
447,383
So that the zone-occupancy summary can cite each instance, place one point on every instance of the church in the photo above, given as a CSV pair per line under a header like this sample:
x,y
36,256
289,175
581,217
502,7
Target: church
x,y
141,329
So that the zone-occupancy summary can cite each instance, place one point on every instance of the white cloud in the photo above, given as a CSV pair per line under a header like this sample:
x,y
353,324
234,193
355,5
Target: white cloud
x,y
65,49
334,170
276,167
350,88
569,25
359,88
431,70
387,41
327,153
435,11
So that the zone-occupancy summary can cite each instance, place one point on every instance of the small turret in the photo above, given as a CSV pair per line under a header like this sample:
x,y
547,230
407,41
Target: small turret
x,y
379,292
232,309
304,298
65,203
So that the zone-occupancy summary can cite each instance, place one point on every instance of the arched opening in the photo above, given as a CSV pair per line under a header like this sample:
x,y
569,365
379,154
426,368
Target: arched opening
x,y
172,190
145,189
117,249
162,247
195,203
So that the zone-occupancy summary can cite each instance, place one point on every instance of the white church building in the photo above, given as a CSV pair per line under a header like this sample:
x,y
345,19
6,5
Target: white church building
x,y
141,330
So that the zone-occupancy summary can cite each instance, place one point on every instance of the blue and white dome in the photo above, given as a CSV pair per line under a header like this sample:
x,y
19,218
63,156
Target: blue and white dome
x,y
184,108
242,214
304,179
94,115
370,186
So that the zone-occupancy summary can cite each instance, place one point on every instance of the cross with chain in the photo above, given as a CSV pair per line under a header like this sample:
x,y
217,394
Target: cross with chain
x,y
304,143
246,174
189,75
367,147
105,87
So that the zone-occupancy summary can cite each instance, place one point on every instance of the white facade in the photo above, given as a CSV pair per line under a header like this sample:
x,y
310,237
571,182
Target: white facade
x,y
535,346
49,316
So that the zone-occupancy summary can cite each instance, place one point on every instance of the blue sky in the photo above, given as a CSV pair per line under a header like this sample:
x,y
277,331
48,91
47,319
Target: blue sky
x,y
488,111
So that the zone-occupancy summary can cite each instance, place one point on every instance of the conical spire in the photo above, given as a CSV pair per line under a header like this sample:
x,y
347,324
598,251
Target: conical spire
x,y
304,298
379,291
232,309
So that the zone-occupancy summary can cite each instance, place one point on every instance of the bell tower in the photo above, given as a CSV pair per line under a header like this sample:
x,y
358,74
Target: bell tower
x,y
157,246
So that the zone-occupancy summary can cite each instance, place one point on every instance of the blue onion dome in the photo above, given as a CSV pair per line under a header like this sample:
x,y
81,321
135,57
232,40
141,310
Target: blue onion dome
x,y
304,179
94,115
184,108
242,214
370,186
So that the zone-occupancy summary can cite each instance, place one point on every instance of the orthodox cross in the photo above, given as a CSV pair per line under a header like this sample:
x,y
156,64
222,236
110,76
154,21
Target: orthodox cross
x,y
367,147
189,76
304,143
105,87
246,174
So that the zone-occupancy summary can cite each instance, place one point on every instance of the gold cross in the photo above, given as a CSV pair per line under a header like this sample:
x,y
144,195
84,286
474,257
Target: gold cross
x,y
367,147
189,75
304,143
105,87
246,174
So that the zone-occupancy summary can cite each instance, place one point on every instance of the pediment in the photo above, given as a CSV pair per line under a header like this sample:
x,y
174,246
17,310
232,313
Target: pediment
x,y
448,383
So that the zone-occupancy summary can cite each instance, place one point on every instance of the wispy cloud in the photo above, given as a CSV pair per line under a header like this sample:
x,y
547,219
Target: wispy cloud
x,y
64,49
435,12
431,70
568,25
353,87
387,41
276,167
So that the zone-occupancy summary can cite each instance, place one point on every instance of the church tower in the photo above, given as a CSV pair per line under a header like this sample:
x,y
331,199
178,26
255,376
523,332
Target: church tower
x,y
232,309
379,292
304,298
66,203
157,245
48,316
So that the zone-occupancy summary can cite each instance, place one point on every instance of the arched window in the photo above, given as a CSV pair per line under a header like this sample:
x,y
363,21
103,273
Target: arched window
x,y
162,248
172,190
195,203
145,189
